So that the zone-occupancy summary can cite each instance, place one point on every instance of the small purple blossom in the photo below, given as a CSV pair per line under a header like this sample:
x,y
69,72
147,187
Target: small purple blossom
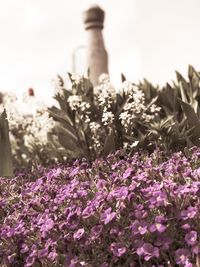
x,y
127,173
117,249
79,234
121,193
48,225
157,227
182,256
158,199
89,215
163,242
148,251
191,238
108,216
189,213
139,228
96,231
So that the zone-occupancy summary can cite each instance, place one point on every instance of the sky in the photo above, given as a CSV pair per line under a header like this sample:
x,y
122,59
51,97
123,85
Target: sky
x,y
144,39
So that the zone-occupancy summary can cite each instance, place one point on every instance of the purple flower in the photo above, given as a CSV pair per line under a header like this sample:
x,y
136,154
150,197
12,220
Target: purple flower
x,y
195,250
74,172
127,173
185,226
101,183
160,219
24,248
158,199
42,253
72,220
191,238
121,193
71,261
182,256
11,258
163,242
30,261
52,255
148,251
48,225
87,212
157,227
96,231
114,231
139,228
79,233
117,249
108,216
189,213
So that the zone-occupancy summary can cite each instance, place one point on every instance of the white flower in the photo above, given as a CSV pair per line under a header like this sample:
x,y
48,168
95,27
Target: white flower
x,y
154,109
127,86
125,118
84,106
107,117
94,126
104,78
74,101
134,144
76,78
105,91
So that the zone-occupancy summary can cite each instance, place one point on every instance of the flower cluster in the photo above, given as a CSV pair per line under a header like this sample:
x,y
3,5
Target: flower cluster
x,y
105,96
136,109
124,210
30,125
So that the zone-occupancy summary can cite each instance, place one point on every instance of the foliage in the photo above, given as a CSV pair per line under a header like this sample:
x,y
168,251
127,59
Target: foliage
x,y
180,107
6,167
30,128
124,210
92,122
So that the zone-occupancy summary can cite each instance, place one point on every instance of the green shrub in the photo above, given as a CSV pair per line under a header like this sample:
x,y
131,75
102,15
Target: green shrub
x,y
6,168
92,122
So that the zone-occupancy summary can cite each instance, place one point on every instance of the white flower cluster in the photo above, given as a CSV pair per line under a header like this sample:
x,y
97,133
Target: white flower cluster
x,y
74,101
107,117
76,78
135,108
83,108
105,91
29,118
94,127
38,128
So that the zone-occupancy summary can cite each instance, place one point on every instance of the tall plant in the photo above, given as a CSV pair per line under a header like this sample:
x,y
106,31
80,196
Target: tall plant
x,y
6,167
92,122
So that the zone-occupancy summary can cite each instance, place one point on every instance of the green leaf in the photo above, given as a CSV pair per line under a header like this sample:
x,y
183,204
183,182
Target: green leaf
x,y
6,166
59,115
60,80
70,77
123,78
68,132
183,94
181,79
193,120
109,145
152,102
88,89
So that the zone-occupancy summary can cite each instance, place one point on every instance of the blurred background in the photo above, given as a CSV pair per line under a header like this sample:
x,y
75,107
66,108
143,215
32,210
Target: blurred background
x,y
144,39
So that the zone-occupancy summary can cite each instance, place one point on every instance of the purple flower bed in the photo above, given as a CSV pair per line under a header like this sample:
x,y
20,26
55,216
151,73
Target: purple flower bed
x,y
122,211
